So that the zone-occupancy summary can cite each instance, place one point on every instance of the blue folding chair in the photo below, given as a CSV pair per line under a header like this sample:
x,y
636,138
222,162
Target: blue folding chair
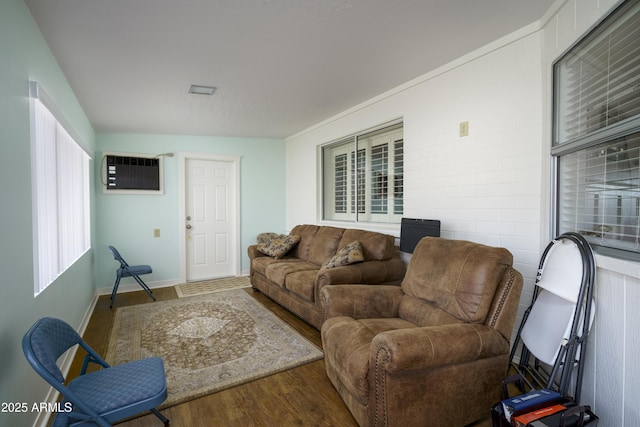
x,y
101,397
126,270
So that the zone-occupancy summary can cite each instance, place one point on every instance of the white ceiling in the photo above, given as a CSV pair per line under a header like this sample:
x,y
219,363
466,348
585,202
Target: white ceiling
x,y
280,66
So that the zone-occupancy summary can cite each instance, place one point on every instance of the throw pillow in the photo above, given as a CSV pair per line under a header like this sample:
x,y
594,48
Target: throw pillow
x,y
266,237
350,254
278,246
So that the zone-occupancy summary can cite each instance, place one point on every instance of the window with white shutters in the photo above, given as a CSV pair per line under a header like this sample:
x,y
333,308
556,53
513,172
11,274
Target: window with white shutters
x,y
363,177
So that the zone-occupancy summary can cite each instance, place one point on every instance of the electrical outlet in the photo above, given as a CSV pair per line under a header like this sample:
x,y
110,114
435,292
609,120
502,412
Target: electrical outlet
x,y
156,232
464,129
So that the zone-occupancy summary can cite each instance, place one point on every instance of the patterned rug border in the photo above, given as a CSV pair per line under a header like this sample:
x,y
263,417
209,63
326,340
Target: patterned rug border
x,y
257,311
203,287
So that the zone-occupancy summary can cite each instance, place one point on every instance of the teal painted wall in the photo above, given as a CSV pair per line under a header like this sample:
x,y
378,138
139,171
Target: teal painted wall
x,y
127,221
24,56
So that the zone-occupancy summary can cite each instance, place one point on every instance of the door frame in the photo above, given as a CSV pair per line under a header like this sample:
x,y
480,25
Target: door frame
x,y
234,251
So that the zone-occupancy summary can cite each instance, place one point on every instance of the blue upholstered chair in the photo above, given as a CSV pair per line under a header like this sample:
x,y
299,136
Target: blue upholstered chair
x,y
126,270
97,398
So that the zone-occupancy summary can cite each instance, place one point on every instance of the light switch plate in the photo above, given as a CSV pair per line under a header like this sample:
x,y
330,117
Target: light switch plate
x,y
464,129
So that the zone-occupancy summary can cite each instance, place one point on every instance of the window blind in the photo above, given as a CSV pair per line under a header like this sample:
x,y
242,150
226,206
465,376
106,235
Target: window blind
x,y
600,193
61,195
596,140
598,82
47,262
398,177
358,180
341,183
379,178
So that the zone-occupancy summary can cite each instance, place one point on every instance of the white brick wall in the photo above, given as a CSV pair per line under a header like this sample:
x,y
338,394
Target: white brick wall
x,y
493,186
485,187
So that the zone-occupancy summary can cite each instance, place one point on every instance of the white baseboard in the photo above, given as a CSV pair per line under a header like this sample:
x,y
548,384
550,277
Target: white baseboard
x,y
131,287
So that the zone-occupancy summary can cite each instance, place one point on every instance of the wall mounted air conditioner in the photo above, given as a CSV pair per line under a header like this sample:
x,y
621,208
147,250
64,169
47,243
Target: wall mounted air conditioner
x,y
129,173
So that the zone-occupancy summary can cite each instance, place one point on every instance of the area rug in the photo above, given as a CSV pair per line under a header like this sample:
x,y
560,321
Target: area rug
x,y
208,342
211,286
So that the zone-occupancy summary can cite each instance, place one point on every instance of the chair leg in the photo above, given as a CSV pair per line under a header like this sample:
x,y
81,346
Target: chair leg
x,y
144,286
114,291
159,415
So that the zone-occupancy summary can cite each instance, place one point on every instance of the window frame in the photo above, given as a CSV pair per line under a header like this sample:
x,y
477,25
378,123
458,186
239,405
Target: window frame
x,y
359,167
604,136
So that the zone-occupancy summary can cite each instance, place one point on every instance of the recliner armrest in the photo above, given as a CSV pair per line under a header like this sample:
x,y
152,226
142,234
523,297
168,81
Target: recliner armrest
x,y
361,301
435,346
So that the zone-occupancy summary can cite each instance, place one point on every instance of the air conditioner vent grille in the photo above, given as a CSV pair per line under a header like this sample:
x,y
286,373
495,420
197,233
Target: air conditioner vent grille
x,y
132,173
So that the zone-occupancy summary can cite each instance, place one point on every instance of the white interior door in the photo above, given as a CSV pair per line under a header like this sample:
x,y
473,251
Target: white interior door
x,y
210,220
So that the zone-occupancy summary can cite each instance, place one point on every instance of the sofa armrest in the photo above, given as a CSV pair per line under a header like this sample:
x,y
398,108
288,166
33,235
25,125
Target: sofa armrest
x,y
435,346
361,301
390,271
253,252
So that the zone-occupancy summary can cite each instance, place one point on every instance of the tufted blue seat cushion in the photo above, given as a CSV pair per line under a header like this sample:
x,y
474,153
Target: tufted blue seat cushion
x,y
112,388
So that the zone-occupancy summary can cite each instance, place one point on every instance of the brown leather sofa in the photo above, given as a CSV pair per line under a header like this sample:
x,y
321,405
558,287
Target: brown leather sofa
x,y
295,280
432,352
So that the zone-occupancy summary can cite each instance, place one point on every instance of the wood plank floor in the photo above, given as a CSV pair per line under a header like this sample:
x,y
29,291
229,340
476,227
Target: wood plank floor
x,y
301,396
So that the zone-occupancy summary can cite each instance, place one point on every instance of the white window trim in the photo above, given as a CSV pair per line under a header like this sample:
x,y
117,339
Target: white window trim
x,y
617,265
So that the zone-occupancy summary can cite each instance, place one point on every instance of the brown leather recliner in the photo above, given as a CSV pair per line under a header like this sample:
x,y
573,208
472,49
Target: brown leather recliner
x,y
432,352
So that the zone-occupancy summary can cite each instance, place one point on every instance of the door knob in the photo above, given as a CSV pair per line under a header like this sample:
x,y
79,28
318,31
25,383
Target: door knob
x,y
188,226
189,218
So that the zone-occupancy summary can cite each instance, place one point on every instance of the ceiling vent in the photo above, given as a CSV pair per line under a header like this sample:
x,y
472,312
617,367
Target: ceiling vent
x,y
202,90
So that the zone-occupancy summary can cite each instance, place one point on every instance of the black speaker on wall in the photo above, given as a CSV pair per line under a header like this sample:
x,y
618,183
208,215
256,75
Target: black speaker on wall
x,y
413,230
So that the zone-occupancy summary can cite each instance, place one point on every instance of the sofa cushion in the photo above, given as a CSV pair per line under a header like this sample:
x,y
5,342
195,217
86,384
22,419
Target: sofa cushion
x,y
279,246
376,246
307,233
277,272
350,254
261,263
325,244
456,276
302,283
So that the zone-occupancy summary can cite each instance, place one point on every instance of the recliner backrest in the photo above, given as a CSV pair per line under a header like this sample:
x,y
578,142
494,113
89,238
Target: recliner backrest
x,y
452,281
